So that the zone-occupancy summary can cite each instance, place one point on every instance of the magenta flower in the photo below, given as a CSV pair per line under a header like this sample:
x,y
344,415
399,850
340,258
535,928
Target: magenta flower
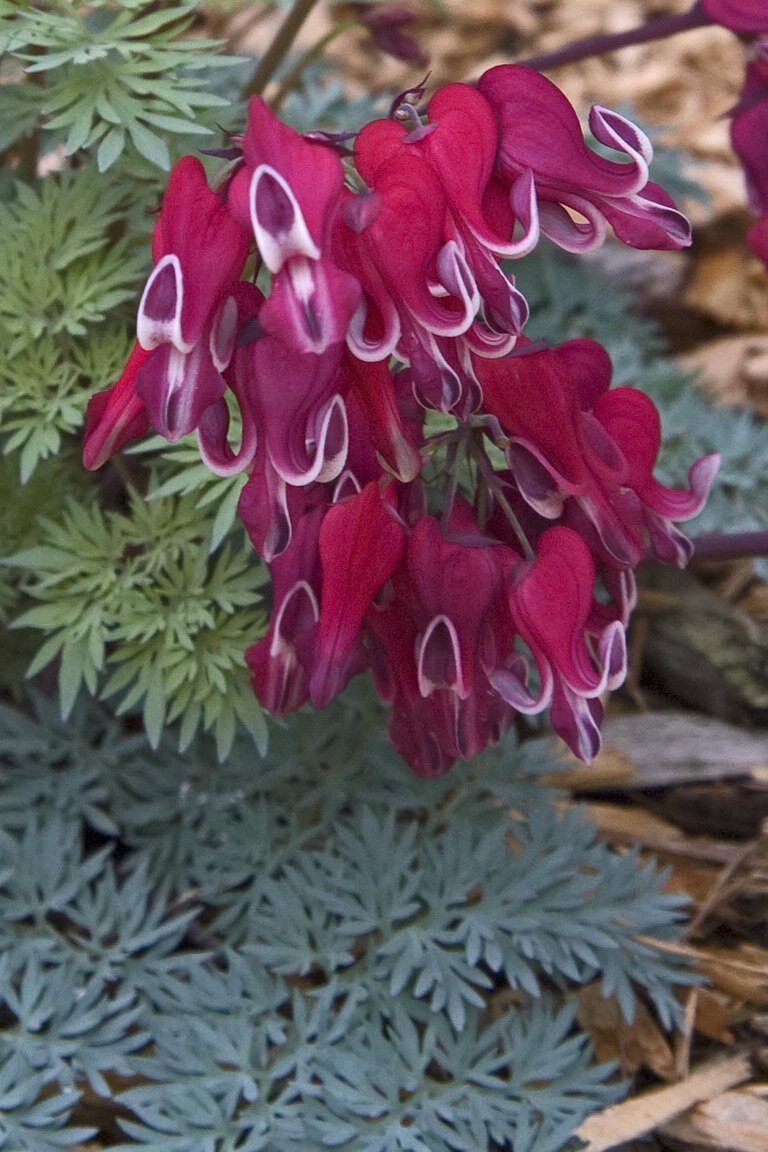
x,y
569,437
550,601
632,423
187,315
361,546
117,415
386,24
426,186
541,135
490,609
289,189
738,15
415,722
279,661
749,131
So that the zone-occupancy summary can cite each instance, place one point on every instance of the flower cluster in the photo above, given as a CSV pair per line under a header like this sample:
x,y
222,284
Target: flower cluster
x,y
749,119
438,499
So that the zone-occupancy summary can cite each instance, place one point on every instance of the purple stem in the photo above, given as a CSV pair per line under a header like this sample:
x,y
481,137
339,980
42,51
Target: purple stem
x,y
597,45
730,546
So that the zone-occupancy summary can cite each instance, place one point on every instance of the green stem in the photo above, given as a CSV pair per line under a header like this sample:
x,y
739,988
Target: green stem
x,y
279,48
291,81
485,468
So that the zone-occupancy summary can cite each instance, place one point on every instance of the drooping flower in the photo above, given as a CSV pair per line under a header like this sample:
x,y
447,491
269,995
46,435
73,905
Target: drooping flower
x,y
738,15
288,190
749,132
361,546
117,415
572,438
550,601
187,314
540,134
451,298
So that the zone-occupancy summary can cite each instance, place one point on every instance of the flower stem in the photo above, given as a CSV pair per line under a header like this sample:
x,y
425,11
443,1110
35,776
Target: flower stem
x,y
597,45
291,81
279,48
730,545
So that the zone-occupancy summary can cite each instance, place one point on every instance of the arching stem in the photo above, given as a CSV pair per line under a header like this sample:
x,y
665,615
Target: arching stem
x,y
598,45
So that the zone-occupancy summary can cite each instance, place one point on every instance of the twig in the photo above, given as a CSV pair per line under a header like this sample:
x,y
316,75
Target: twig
x,y
279,47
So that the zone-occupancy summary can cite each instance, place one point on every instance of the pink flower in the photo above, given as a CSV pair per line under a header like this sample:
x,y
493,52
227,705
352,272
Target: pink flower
x,y
187,315
386,26
450,299
541,137
361,546
572,438
279,661
288,190
738,15
117,415
550,601
749,131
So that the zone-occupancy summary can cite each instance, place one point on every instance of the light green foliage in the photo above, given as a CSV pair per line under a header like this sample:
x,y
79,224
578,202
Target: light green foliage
x,y
66,274
134,608
299,953
107,75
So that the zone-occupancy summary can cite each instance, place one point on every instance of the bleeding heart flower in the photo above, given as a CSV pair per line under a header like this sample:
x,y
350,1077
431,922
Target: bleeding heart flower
x,y
749,130
187,314
738,15
288,190
117,415
541,136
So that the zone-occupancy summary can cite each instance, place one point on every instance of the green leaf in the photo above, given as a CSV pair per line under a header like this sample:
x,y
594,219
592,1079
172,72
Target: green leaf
x,y
110,147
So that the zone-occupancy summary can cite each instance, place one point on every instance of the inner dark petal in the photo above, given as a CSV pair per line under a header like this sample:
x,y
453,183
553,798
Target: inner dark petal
x,y
438,658
161,299
336,433
274,209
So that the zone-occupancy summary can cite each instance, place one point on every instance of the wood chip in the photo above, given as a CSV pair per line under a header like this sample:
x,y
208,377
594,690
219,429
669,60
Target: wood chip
x,y
736,1121
645,1113
672,748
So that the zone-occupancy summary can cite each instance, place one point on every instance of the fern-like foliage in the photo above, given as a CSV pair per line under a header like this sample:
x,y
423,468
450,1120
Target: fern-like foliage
x,y
109,74
134,607
65,277
308,951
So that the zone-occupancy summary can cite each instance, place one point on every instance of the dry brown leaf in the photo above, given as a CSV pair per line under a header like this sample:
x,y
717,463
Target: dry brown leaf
x,y
742,972
714,1014
734,370
640,1044
736,1121
730,285
642,1114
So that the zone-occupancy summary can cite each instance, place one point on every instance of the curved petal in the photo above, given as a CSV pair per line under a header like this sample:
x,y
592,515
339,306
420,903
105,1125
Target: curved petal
x,y
540,131
633,423
361,547
160,307
550,600
177,388
211,247
115,416
738,15
213,440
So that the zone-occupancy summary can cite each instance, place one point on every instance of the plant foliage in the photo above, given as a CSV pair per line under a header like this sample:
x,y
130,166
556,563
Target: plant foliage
x,y
306,952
